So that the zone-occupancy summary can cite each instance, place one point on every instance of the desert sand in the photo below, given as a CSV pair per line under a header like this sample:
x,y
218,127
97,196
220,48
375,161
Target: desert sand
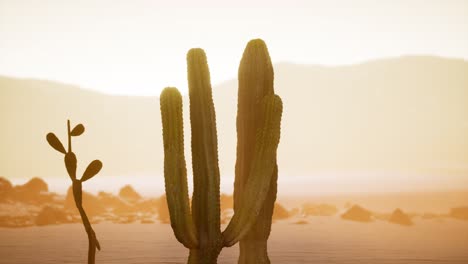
x,y
322,240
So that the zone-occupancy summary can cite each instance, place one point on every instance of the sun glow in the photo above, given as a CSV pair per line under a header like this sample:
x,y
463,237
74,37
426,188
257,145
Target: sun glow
x,y
139,47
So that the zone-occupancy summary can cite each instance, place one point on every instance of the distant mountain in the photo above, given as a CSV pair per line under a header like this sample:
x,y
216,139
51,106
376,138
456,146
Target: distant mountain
x,y
406,115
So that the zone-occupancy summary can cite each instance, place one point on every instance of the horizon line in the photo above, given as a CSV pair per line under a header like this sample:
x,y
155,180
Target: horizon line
x,y
284,62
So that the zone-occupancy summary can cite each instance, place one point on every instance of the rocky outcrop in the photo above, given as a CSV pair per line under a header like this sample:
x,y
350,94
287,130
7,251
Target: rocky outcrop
x,y
91,204
5,189
35,191
301,222
51,216
357,213
109,201
163,210
129,194
280,213
148,206
226,202
400,218
34,186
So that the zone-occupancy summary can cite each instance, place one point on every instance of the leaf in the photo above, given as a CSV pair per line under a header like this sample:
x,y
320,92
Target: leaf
x,y
70,163
93,168
78,130
55,143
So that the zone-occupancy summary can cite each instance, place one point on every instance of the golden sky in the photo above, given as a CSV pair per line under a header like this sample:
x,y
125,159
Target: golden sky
x,y
139,47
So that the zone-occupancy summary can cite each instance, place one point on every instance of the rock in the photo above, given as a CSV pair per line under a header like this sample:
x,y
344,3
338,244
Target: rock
x,y
91,204
399,217
35,191
226,201
5,189
280,213
109,201
51,216
34,186
125,209
126,219
357,213
301,222
111,217
148,206
381,216
5,185
319,210
163,210
459,213
129,194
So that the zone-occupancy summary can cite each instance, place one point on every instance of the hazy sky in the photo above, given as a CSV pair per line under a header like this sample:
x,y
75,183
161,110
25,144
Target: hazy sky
x,y
139,47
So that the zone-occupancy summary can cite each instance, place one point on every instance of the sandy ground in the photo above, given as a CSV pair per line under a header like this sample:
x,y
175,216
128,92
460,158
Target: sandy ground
x,y
322,240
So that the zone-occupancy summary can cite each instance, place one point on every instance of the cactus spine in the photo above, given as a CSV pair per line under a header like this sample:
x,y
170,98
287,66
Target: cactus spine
x,y
199,229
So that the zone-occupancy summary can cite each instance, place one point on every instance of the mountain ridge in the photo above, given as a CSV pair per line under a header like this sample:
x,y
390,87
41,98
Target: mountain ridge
x,y
364,117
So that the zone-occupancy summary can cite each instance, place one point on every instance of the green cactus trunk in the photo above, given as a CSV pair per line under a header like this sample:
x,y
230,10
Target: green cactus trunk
x,y
198,228
255,82
205,201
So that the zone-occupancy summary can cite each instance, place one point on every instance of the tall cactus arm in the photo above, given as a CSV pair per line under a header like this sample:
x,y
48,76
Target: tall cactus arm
x,y
263,167
175,171
206,178
255,82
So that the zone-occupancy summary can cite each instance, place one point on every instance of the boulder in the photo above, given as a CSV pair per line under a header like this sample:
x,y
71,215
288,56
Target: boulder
x,y
35,191
163,210
148,206
34,186
400,218
129,194
51,216
357,213
280,213
301,222
5,185
91,204
5,189
226,201
109,201
125,209
459,213
381,216
126,219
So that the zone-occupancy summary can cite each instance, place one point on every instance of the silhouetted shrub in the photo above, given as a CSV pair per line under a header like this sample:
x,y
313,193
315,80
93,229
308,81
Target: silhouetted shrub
x,y
70,164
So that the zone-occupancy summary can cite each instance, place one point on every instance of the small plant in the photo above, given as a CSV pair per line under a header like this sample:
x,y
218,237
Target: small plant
x,y
259,118
93,168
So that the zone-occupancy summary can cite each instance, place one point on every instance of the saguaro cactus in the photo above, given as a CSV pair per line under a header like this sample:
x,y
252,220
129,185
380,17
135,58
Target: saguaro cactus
x,y
198,228
93,168
255,78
